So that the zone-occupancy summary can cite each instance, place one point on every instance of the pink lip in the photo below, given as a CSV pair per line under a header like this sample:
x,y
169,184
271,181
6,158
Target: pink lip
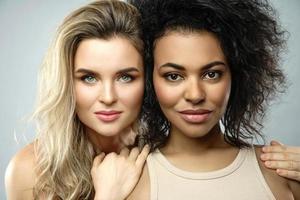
x,y
108,116
195,116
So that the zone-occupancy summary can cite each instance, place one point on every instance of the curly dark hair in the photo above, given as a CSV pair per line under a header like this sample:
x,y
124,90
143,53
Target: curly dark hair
x,y
251,39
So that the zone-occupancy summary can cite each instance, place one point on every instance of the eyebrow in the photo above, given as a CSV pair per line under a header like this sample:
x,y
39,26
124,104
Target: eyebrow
x,y
181,67
129,69
88,71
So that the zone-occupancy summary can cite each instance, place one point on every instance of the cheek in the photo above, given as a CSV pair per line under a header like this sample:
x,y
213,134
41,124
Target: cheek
x,y
220,95
85,96
131,95
167,95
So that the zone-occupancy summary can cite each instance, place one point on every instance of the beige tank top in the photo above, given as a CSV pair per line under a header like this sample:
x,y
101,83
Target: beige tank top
x,y
241,180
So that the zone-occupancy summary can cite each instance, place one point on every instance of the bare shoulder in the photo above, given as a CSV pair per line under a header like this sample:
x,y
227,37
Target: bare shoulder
x,y
278,185
20,175
142,189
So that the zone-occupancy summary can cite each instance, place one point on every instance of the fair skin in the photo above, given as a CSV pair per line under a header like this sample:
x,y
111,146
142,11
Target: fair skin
x,y
108,90
192,82
284,159
115,176
105,83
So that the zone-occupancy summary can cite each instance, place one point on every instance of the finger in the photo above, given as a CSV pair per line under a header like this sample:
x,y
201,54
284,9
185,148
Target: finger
x,y
142,156
128,137
280,149
288,165
134,154
273,149
274,143
280,156
124,152
98,159
111,156
289,174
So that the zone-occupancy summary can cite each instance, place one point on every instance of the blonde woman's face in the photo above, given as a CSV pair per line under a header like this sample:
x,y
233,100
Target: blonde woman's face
x,y
109,85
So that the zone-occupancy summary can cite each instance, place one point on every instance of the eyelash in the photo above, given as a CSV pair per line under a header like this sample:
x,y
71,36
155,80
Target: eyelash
x,y
218,73
132,78
215,72
84,78
167,76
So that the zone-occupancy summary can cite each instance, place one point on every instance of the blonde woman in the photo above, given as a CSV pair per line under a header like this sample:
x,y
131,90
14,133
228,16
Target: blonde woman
x,y
91,87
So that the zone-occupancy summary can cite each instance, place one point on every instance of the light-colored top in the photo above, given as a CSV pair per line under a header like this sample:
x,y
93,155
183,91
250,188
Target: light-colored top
x,y
242,180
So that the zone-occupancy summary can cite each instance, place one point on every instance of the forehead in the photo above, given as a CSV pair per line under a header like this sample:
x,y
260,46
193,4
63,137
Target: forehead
x,y
109,54
188,48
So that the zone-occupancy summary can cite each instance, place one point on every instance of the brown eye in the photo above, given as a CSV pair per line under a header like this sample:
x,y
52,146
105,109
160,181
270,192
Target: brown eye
x,y
211,75
173,77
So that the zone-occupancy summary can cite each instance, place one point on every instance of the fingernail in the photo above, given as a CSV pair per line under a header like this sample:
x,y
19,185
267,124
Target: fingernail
x,y
279,171
264,148
267,163
147,146
263,156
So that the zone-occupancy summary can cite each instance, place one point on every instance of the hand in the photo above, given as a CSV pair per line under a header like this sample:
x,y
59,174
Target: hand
x,y
285,159
115,176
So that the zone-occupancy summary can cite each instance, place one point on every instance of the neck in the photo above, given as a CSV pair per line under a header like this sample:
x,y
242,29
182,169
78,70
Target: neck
x,y
179,142
207,152
102,143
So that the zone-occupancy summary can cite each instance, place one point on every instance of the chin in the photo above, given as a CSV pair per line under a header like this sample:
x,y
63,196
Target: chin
x,y
105,131
196,131
195,134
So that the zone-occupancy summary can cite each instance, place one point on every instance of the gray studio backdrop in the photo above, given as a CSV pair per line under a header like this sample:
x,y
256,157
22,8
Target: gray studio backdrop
x,y
26,28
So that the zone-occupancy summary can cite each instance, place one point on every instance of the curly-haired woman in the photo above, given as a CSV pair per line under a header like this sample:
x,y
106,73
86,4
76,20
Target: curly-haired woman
x,y
211,68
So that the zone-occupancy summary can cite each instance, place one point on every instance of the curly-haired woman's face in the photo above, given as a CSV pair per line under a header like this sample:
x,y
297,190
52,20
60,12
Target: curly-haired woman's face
x,y
192,81
109,85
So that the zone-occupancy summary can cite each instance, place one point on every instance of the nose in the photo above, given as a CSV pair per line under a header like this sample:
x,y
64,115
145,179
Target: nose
x,y
194,92
108,95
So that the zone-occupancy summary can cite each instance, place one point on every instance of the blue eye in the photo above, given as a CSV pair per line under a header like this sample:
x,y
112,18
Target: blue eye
x,y
125,78
212,75
173,77
89,79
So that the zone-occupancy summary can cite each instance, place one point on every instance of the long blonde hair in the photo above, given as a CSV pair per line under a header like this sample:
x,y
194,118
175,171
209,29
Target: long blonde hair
x,y
64,154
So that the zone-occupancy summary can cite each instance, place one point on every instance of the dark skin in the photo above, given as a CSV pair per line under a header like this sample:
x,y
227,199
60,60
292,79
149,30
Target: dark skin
x,y
207,151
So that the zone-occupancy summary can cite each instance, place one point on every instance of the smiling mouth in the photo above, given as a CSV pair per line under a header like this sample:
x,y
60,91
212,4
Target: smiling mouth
x,y
108,116
195,116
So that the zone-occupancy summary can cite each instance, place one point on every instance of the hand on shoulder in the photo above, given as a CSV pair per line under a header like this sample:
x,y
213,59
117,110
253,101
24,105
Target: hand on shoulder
x,y
284,159
277,159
